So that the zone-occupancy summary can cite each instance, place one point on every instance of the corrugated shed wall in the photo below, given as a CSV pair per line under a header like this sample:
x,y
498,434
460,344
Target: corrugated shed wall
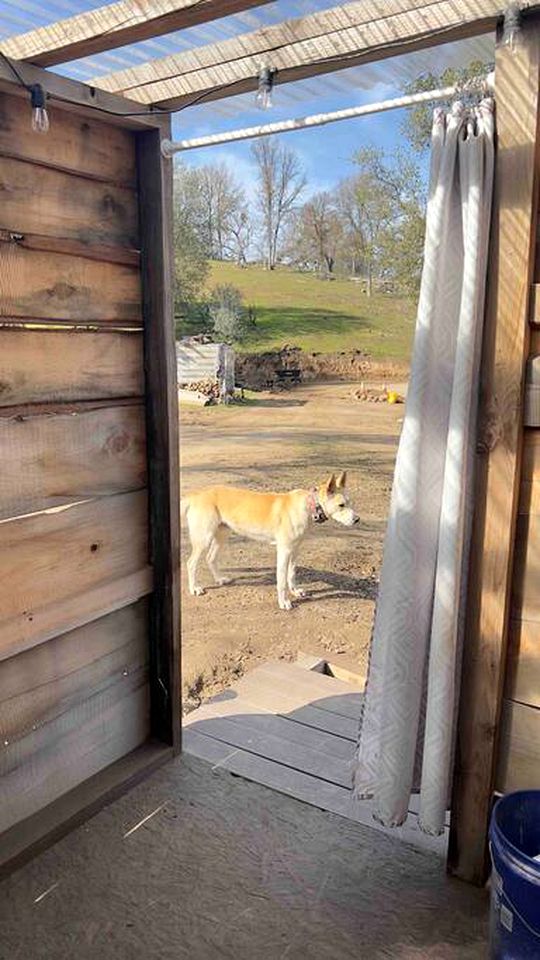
x,y
205,361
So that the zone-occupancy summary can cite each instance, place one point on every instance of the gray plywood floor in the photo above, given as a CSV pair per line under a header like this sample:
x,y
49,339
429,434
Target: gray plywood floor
x,y
201,864
295,730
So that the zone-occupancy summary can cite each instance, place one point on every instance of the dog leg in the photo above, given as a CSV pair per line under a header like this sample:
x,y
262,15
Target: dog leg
x,y
211,558
283,558
192,564
291,579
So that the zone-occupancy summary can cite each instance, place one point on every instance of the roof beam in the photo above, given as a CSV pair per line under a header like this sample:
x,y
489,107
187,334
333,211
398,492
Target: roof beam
x,y
344,36
114,25
74,96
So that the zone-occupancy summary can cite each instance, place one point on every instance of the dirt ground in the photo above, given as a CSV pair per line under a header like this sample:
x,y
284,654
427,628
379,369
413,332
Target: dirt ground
x,y
280,442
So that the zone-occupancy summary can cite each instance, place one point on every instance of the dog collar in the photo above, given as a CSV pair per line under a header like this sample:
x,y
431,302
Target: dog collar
x,y
317,513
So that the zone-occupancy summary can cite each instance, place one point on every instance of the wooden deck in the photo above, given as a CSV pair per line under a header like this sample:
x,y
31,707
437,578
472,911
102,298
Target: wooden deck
x,y
293,729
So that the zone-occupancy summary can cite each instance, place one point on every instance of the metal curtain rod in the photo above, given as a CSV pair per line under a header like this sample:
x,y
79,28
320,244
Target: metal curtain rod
x,y
169,148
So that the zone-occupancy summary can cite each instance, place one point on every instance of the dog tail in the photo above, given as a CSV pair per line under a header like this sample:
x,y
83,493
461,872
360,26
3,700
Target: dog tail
x,y
184,507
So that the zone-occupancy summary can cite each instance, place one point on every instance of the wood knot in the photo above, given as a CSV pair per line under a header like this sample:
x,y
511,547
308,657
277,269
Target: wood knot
x,y
117,442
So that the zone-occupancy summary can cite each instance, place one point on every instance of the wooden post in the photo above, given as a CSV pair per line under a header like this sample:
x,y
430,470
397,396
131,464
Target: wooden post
x,y
506,341
155,199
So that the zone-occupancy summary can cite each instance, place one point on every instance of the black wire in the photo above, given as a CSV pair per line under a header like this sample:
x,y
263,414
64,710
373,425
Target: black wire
x,y
14,70
152,108
156,109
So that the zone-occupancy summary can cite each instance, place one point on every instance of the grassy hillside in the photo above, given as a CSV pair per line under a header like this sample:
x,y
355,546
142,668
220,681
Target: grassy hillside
x,y
318,315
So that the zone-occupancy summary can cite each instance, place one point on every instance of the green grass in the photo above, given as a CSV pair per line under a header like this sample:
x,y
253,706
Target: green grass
x,y
319,315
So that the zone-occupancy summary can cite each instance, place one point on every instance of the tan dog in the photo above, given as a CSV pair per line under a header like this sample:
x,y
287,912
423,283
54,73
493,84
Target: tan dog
x,y
279,518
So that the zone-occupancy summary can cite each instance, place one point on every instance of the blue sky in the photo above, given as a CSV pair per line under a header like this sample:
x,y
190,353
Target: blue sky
x,y
324,151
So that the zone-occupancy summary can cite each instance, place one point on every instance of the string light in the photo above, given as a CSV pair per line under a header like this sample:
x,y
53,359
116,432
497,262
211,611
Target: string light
x,y
512,33
265,88
40,117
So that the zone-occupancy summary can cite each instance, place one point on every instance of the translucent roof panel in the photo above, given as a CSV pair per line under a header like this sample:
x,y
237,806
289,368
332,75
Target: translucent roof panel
x,y
383,78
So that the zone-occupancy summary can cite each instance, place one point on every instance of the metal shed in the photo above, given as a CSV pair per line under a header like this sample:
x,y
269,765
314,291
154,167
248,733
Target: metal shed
x,y
196,361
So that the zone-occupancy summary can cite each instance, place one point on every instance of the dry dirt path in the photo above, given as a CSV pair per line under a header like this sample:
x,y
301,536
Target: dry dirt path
x,y
286,441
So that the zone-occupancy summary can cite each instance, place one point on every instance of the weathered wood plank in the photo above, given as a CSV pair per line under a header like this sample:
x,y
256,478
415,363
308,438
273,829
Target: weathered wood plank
x,y
48,366
49,557
52,458
322,42
526,578
53,286
19,753
531,455
155,197
56,204
326,693
113,25
504,356
294,704
519,756
79,744
296,756
26,630
83,146
73,248
39,684
35,833
251,716
523,671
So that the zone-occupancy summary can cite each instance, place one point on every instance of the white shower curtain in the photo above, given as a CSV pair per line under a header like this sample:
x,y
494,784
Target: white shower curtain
x,y
407,728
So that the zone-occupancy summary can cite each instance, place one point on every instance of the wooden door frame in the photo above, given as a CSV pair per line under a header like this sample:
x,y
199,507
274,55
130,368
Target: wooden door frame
x,y
498,452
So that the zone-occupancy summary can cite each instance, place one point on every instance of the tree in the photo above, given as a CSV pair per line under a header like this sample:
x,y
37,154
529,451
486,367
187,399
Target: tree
x,y
240,229
418,122
190,261
212,201
351,214
317,234
281,180
382,207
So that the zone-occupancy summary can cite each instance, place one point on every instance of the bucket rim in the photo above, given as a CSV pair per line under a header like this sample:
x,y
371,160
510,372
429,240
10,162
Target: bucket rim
x,y
524,858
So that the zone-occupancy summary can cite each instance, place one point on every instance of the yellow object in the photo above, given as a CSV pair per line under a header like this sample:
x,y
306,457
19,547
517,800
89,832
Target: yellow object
x,y
392,397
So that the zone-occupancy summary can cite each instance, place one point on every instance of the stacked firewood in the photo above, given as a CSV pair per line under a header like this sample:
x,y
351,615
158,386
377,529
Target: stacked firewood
x,y
208,388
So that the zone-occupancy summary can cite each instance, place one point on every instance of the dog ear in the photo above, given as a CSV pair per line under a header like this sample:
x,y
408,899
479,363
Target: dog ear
x,y
330,485
342,480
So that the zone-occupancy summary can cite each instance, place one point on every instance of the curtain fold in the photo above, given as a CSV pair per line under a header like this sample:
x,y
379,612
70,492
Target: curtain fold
x,y
407,727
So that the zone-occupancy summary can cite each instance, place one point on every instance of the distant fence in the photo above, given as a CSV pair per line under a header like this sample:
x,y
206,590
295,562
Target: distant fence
x,y
205,361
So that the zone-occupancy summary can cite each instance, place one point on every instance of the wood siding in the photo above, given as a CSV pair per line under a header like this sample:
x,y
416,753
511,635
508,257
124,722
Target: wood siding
x,y
76,644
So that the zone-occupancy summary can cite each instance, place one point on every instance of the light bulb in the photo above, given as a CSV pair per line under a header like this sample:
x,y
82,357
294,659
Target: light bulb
x,y
40,117
40,120
511,35
263,97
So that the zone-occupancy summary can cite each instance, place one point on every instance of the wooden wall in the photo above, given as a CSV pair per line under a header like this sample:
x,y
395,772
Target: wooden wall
x,y
77,619
519,747
501,592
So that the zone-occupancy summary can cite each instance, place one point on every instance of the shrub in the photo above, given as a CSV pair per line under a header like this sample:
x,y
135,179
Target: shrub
x,y
231,319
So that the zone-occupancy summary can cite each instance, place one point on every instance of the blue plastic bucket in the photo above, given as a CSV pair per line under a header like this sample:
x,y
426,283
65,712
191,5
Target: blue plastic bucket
x,y
514,842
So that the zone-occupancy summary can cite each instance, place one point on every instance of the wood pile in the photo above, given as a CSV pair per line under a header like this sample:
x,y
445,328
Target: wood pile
x,y
208,388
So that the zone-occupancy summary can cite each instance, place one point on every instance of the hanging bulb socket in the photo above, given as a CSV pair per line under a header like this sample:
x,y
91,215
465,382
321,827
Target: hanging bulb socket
x,y
265,88
512,27
40,117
